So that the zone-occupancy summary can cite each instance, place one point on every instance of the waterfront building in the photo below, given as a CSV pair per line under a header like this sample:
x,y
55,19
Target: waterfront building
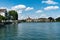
x,y
37,20
43,20
29,19
3,12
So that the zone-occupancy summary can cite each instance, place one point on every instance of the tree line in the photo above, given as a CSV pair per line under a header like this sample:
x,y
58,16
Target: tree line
x,y
54,20
12,15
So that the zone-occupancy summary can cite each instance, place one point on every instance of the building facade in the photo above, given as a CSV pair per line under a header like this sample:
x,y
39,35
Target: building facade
x,y
3,12
29,19
37,20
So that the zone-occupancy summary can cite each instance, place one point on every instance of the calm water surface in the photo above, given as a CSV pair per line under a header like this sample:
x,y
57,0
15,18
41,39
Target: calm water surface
x,y
30,31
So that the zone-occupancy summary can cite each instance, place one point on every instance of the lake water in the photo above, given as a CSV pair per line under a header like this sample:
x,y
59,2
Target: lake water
x,y
30,31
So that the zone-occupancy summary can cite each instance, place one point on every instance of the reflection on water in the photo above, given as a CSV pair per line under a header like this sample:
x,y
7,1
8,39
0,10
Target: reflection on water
x,y
8,32
30,31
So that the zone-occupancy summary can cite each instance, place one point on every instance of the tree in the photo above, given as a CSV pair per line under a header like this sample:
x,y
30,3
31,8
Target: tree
x,y
13,15
2,18
51,19
58,19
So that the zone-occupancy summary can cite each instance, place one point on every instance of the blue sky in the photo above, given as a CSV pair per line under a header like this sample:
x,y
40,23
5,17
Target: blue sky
x,y
33,8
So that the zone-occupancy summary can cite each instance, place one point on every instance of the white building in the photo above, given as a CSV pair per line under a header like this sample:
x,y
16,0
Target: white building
x,y
3,12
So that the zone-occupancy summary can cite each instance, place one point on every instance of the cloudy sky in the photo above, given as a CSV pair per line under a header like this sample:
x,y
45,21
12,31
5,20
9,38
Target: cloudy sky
x,y
33,8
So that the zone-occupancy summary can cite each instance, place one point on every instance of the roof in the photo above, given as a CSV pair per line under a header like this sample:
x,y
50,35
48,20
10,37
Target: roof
x,y
3,10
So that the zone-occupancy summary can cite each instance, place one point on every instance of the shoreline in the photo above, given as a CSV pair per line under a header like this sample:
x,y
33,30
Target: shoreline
x,y
17,22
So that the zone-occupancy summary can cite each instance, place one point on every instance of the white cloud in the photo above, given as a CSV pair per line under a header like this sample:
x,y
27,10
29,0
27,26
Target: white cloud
x,y
19,11
3,8
51,8
49,2
29,8
39,11
18,7
43,16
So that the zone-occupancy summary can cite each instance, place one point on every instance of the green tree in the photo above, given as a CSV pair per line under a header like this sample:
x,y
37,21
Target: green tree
x,y
58,19
2,18
51,19
13,15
